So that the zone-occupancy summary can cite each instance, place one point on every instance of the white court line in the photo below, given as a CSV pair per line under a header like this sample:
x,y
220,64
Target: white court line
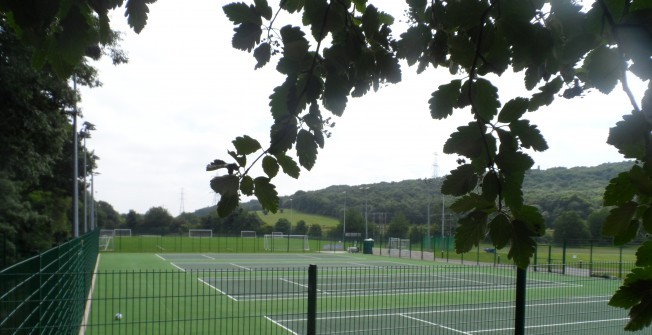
x,y
280,325
293,283
365,265
311,257
550,325
161,257
216,289
435,324
240,266
209,257
178,267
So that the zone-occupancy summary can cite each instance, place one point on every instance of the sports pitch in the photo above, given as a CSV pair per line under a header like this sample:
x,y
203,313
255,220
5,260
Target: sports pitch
x,y
212,293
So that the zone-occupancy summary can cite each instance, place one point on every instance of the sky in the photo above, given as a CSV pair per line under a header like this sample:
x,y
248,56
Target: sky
x,y
186,94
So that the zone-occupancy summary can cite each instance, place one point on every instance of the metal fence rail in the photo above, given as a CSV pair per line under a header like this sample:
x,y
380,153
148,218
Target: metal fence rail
x,y
46,294
349,300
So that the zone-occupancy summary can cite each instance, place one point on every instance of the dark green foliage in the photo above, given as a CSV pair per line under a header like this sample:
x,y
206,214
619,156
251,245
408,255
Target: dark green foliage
x,y
570,226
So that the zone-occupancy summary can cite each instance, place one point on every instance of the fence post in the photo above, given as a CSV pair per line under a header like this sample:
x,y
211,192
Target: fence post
x,y
620,263
563,259
549,257
590,258
312,300
519,313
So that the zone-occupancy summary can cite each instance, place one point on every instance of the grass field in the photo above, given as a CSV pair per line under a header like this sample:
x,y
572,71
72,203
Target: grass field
x,y
213,293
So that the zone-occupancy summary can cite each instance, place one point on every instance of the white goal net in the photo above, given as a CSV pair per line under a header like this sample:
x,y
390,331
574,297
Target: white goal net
x,y
200,233
122,232
274,242
248,233
106,239
398,247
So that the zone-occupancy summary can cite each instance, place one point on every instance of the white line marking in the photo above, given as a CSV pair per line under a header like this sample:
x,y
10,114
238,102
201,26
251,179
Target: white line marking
x,y
216,289
161,257
293,283
209,257
240,266
434,324
280,325
550,325
178,267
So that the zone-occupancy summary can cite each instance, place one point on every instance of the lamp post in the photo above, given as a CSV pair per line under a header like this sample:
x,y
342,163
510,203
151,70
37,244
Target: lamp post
x,y
93,221
344,224
366,230
85,133
75,165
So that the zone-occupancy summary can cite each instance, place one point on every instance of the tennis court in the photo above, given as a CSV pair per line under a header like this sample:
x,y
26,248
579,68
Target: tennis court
x,y
210,293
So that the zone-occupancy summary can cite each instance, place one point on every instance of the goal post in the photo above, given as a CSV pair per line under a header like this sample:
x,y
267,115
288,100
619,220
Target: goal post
x,y
398,246
274,242
122,232
248,233
198,233
106,239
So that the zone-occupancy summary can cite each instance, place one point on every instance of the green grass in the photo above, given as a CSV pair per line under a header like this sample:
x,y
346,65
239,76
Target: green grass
x,y
232,294
295,216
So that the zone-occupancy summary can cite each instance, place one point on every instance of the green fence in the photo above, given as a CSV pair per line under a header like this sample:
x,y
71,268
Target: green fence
x,y
367,298
46,294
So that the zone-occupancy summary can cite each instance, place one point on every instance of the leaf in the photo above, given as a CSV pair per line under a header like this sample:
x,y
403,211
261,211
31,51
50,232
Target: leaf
x,y
467,141
247,185
295,45
306,149
617,223
270,166
523,245
472,201
532,218
644,254
262,54
513,110
336,91
215,165
547,94
513,166
263,9
388,67
641,180
289,166
246,36
460,181
500,230
603,68
529,135
283,135
266,194
485,99
628,234
470,230
490,186
240,159
245,145
136,13
227,187
444,99
647,220
619,191
313,16
412,43
240,13
628,136
292,5
635,295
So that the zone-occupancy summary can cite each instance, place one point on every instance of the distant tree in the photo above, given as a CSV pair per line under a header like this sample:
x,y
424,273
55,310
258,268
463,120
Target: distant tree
x,y
107,217
301,228
132,219
157,220
282,225
570,227
314,230
398,226
595,221
417,233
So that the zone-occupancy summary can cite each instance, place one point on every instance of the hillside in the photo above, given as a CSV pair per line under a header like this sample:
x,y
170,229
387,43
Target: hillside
x,y
553,190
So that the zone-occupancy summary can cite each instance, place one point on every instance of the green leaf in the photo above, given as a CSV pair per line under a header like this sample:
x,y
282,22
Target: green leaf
x,y
306,149
413,42
136,13
246,36
472,201
529,135
266,194
336,91
603,68
490,186
644,254
263,8
641,180
467,141
245,145
295,45
262,54
227,187
523,245
388,67
635,294
270,166
647,220
532,218
513,166
619,191
513,110
444,99
628,234
240,13
460,181
289,166
313,16
247,185
240,159
618,222
470,230
215,165
628,136
283,135
547,94
485,99
500,230
292,5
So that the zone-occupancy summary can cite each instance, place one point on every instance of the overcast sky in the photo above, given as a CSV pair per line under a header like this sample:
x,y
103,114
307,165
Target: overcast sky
x,y
186,94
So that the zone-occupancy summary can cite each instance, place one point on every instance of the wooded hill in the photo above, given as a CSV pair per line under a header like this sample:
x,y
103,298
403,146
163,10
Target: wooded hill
x,y
554,190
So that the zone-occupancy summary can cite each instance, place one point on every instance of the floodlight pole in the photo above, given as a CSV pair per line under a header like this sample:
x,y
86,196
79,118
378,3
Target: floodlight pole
x,y
344,224
92,202
75,167
366,230
85,195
